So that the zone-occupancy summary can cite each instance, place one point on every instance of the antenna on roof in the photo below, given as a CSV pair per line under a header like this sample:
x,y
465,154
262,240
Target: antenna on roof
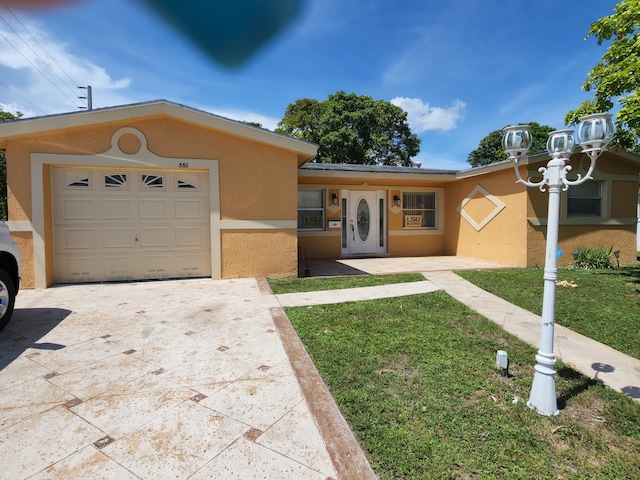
x,y
88,97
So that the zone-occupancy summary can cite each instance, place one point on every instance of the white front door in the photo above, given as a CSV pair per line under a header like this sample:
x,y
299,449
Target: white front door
x,y
364,219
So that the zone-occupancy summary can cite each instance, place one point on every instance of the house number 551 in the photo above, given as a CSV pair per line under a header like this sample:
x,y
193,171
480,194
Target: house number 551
x,y
183,165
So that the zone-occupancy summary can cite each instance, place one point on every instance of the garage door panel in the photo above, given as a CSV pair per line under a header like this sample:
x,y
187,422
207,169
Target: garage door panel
x,y
118,237
77,238
120,267
191,236
81,268
118,209
124,225
191,209
82,208
154,209
157,266
155,237
193,265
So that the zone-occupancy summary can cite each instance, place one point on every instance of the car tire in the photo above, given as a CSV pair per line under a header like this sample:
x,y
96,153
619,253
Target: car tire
x,y
7,298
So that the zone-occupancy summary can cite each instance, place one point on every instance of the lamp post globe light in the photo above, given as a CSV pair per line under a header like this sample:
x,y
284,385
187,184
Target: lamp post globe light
x,y
594,134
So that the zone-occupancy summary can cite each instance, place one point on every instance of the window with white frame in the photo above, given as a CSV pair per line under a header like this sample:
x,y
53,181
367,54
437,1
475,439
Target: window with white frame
x,y
419,210
310,209
585,200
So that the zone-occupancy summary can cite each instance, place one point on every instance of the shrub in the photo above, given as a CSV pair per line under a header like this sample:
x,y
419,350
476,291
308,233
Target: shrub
x,y
592,258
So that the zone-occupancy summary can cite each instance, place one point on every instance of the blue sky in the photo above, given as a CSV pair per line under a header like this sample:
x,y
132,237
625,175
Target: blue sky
x,y
461,68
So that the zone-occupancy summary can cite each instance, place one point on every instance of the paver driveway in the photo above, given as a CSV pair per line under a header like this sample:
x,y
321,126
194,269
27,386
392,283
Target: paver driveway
x,y
175,379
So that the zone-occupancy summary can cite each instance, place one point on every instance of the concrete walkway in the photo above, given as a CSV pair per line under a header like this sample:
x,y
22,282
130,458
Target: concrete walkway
x,y
355,294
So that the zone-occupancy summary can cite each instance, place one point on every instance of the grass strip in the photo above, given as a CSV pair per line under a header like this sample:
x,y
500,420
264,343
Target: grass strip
x,y
316,284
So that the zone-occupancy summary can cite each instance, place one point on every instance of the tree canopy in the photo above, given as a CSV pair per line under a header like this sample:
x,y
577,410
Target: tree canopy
x,y
4,116
617,76
490,148
354,129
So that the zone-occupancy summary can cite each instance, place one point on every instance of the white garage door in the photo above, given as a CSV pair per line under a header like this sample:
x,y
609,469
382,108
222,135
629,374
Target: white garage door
x,y
125,224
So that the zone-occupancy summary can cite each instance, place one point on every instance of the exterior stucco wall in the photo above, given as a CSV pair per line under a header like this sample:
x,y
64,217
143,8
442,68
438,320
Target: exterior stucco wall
x,y
621,194
573,237
259,253
491,231
24,240
318,245
258,183
416,245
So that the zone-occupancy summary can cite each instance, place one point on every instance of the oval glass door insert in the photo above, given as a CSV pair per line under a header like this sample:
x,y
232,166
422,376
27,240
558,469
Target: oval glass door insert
x,y
363,219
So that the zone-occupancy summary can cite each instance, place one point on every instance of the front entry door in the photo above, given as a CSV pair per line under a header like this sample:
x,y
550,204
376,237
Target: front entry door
x,y
363,230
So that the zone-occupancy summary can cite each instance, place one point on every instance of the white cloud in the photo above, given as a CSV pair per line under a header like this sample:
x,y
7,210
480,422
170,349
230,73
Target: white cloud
x,y
42,77
423,117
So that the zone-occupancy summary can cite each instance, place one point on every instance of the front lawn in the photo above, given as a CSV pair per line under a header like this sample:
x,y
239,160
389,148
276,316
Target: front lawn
x,y
416,379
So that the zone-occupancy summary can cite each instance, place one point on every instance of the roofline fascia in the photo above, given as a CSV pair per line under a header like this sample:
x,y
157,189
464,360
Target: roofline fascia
x,y
446,177
503,165
486,169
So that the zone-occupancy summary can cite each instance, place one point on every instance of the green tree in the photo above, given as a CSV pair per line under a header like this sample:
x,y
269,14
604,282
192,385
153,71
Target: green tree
x,y
354,129
253,124
5,116
302,120
490,148
617,76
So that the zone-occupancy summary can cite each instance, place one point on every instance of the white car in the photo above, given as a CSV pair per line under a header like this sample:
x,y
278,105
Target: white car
x,y
9,274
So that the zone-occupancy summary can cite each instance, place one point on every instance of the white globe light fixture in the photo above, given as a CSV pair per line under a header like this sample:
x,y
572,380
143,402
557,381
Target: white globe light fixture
x,y
594,134
516,142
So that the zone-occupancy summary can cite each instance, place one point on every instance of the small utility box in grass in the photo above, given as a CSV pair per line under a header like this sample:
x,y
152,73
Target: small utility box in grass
x,y
502,362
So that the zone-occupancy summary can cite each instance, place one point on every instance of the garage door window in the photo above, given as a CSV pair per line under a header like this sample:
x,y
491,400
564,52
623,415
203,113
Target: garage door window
x,y
153,182
84,183
115,181
76,179
188,182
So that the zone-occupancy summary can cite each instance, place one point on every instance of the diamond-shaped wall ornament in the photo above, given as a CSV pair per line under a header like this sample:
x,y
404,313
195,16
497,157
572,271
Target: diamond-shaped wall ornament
x,y
479,194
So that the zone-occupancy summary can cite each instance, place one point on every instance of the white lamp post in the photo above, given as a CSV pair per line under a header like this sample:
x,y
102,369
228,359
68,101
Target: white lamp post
x,y
594,134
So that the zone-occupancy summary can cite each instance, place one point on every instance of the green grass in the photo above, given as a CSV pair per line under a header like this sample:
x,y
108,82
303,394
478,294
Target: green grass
x,y
416,379
313,284
604,304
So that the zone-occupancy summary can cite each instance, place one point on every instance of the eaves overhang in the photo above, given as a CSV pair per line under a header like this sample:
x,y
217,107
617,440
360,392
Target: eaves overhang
x,y
379,172
486,169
